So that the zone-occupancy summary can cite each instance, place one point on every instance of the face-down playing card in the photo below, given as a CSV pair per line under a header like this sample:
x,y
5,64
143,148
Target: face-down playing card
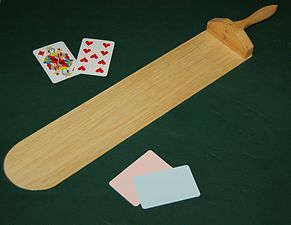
x,y
94,57
123,182
57,61
166,186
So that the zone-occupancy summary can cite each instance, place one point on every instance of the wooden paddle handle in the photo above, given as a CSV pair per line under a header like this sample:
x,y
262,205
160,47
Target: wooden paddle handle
x,y
258,16
232,33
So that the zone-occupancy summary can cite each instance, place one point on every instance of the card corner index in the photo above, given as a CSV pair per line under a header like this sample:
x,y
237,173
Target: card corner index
x,y
34,52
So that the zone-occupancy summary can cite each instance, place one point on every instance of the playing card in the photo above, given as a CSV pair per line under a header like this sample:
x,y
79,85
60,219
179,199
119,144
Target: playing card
x,y
94,57
123,182
166,186
57,61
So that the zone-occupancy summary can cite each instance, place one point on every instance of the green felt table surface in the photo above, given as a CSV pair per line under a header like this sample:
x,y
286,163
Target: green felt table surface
x,y
235,134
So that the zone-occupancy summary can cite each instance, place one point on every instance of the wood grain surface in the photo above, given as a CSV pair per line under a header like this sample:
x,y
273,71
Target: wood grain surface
x,y
60,149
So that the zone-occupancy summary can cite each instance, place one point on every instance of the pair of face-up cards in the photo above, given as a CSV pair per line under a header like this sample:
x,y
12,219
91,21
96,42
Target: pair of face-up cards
x,y
151,182
60,64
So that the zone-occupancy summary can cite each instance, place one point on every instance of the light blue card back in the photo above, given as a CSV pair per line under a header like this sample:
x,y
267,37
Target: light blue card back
x,y
166,186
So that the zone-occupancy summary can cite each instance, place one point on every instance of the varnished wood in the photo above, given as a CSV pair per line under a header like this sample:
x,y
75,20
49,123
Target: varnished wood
x,y
60,149
232,33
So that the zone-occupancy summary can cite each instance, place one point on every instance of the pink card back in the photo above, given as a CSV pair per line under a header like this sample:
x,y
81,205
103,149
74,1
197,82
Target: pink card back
x,y
123,182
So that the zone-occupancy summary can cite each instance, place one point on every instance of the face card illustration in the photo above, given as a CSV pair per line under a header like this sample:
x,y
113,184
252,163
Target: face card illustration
x,y
57,61
94,57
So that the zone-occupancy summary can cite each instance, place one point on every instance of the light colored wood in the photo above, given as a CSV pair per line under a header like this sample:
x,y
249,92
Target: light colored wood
x,y
258,16
60,149
232,33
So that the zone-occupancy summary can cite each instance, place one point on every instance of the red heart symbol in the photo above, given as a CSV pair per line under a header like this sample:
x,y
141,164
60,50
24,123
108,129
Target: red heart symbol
x,y
41,52
99,70
89,43
106,45
86,50
82,68
94,56
104,52
84,59
102,62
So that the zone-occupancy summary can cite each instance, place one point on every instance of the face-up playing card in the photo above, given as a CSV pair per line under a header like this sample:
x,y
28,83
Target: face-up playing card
x,y
123,182
94,57
57,61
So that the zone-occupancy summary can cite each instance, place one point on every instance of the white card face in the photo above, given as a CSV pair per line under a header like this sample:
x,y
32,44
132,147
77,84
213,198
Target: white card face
x,y
166,186
94,57
57,61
